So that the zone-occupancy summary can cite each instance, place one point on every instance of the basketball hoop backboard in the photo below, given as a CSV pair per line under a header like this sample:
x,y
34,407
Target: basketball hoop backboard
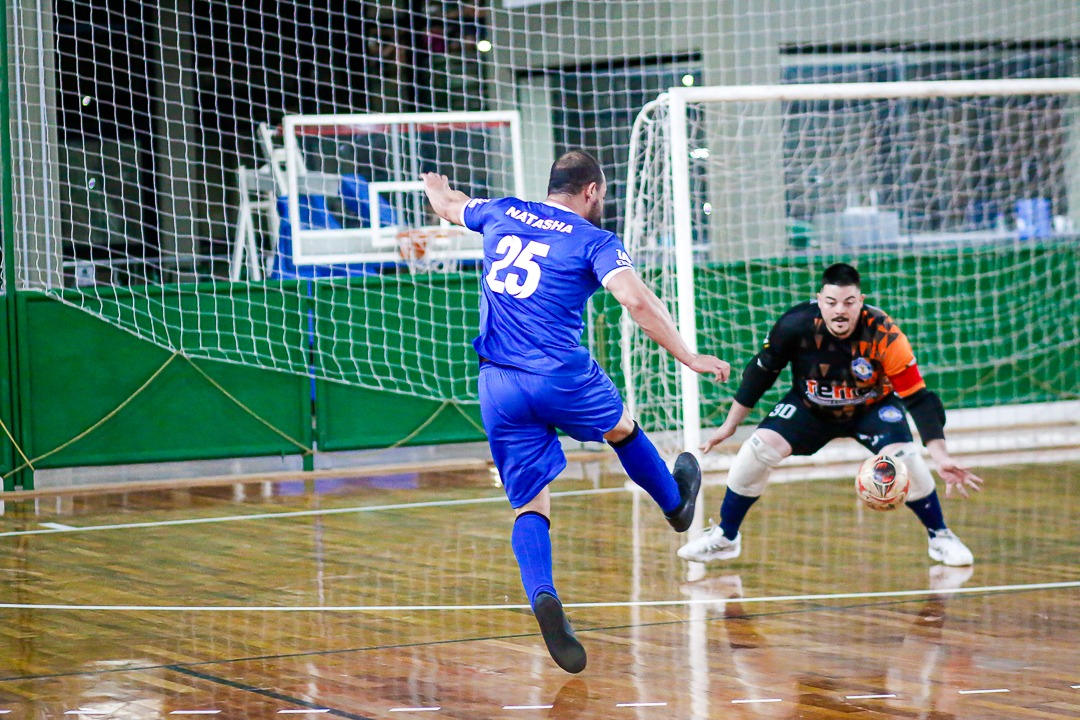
x,y
366,170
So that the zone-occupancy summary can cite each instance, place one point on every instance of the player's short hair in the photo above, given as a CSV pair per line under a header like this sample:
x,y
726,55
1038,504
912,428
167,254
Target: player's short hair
x,y
841,275
573,172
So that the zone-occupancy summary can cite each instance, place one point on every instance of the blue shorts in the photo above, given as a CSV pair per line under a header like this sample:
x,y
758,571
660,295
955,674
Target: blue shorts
x,y
874,427
522,412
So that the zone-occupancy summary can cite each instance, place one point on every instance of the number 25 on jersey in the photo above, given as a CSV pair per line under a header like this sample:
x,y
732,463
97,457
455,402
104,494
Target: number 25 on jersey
x,y
513,256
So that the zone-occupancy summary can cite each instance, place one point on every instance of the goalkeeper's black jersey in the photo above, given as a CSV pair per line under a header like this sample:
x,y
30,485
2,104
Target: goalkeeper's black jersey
x,y
834,377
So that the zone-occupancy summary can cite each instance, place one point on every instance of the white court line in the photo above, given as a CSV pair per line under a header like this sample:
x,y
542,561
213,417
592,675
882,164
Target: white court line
x,y
641,704
982,692
303,711
1075,687
56,526
298,513
195,712
613,604
762,700
868,697
527,707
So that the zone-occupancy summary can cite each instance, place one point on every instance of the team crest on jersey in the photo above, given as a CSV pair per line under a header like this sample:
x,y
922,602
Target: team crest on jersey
x,y
891,414
862,368
623,259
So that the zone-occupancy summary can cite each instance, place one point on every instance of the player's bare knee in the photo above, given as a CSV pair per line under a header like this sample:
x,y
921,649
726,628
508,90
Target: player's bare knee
x,y
922,480
622,429
749,473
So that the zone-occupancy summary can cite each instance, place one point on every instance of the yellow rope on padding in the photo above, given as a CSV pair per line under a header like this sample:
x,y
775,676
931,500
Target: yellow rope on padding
x,y
28,463
307,450
99,423
26,460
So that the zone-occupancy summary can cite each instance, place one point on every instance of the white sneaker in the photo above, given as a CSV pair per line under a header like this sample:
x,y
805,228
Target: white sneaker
x,y
711,545
946,548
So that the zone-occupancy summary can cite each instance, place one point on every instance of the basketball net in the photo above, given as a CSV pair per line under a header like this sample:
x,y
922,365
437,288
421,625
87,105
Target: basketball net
x,y
430,249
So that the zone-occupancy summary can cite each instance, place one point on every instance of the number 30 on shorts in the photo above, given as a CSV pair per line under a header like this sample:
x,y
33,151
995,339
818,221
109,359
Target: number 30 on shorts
x,y
784,411
512,254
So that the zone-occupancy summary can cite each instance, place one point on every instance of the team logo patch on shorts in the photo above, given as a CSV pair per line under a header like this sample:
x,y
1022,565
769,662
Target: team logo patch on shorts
x,y
891,414
862,368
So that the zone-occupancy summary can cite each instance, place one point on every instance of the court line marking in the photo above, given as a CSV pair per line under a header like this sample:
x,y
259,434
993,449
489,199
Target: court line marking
x,y
302,711
1075,687
641,704
244,687
56,526
297,513
982,692
612,604
762,700
869,697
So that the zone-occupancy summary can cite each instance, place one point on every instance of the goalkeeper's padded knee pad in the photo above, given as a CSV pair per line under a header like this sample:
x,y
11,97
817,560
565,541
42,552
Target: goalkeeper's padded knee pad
x,y
750,472
921,479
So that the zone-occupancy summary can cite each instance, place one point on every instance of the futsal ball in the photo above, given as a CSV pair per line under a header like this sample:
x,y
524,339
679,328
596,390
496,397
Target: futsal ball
x,y
882,482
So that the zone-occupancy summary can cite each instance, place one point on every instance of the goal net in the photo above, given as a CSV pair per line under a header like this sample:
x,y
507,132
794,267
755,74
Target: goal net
x,y
239,181
957,201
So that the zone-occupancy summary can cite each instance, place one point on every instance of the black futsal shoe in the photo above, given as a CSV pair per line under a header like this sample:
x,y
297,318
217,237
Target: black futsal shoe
x,y
559,637
688,477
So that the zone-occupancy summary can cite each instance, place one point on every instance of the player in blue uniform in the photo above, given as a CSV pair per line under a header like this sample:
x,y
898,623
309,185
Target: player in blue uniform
x,y
542,263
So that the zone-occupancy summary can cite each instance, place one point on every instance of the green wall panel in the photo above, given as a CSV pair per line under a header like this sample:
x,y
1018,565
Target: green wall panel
x,y
352,418
989,326
400,333
79,369
7,451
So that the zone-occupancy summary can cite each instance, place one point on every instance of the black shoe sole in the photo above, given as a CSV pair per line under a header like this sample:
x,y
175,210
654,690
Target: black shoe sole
x,y
688,477
559,637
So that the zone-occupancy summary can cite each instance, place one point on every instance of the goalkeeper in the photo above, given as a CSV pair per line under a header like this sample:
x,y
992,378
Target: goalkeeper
x,y
849,362
542,263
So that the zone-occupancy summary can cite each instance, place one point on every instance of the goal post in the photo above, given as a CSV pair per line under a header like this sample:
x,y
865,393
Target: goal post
x,y
958,199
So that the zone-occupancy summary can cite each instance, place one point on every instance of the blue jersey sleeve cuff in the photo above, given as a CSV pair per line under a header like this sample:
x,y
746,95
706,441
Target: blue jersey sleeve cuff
x,y
607,278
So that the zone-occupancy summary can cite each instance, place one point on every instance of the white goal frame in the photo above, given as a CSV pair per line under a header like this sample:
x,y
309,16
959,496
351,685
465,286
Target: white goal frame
x,y
677,99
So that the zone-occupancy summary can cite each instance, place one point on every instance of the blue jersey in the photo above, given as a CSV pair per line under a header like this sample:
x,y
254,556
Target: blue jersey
x,y
542,262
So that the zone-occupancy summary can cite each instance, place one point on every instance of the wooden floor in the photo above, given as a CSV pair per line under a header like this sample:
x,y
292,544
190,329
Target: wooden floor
x,y
398,597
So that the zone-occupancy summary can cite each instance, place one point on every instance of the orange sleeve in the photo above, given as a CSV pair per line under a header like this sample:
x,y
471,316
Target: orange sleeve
x,y
898,361
907,382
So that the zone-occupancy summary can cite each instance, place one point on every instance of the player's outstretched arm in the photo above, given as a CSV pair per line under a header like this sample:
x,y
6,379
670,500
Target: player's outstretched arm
x,y
445,201
736,414
653,318
958,479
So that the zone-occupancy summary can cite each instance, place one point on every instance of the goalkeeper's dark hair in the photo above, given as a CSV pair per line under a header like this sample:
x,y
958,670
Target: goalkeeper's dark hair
x,y
573,172
841,275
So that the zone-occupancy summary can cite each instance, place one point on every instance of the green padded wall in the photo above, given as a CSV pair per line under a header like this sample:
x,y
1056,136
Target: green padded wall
x,y
967,333
348,321
7,451
78,369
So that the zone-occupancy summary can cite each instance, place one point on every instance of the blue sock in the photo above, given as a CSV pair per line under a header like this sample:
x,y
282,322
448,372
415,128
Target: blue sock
x,y
647,469
732,512
531,540
928,511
